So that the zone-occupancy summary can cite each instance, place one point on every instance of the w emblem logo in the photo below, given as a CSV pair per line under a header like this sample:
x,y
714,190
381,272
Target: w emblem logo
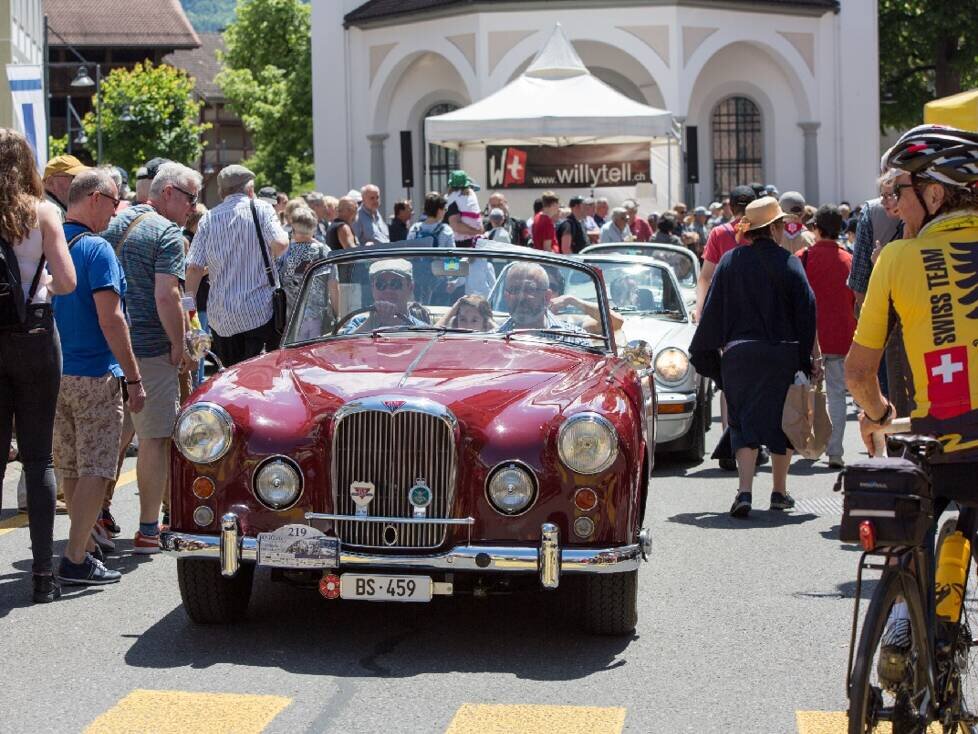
x,y
393,405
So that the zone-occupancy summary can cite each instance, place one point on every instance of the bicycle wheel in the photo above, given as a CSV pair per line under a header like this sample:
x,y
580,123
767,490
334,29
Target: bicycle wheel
x,y
958,659
885,693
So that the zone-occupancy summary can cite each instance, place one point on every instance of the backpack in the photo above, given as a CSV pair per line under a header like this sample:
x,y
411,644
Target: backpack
x,y
13,305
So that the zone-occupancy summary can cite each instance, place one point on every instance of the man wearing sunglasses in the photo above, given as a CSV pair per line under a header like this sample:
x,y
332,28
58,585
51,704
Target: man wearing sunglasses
x,y
392,287
531,301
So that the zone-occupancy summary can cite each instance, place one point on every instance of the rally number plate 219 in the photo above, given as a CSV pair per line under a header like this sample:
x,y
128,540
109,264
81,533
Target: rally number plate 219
x,y
298,546
370,587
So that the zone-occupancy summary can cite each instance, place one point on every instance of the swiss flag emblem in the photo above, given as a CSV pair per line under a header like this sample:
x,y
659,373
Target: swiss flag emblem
x,y
515,167
948,387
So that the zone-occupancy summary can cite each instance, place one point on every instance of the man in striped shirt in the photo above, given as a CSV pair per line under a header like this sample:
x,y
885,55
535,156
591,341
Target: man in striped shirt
x,y
226,246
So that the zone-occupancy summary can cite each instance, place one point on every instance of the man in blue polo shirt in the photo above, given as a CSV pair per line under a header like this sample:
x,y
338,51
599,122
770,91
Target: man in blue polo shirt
x,y
98,369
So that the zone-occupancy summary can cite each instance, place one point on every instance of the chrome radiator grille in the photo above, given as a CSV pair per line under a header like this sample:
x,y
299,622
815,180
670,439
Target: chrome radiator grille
x,y
392,449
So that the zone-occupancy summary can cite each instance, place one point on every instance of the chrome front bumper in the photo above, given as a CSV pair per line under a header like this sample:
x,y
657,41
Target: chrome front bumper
x,y
673,426
548,560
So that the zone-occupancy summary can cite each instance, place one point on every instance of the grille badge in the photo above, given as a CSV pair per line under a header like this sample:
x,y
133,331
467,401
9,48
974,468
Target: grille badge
x,y
362,493
394,405
420,496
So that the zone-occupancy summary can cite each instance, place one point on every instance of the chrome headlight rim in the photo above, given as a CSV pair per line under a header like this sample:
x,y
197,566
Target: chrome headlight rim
x,y
500,466
658,374
221,414
600,420
279,459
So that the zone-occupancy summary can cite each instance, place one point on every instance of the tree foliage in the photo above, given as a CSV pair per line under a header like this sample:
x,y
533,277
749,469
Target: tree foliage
x,y
267,78
928,49
165,113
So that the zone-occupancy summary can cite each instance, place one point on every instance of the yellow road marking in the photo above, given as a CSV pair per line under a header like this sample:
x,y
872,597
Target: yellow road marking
x,y
525,719
836,722
126,478
162,712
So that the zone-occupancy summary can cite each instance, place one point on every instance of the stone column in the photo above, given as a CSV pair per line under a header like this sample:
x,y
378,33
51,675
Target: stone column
x,y
377,167
810,132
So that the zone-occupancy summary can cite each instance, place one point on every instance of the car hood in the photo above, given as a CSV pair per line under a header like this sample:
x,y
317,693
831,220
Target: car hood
x,y
660,333
293,389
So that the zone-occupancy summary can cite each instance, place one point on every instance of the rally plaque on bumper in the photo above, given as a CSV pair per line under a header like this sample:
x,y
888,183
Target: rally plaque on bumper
x,y
298,546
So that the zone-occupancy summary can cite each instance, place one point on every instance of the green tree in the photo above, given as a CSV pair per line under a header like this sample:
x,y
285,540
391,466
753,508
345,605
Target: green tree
x,y
267,77
928,49
165,117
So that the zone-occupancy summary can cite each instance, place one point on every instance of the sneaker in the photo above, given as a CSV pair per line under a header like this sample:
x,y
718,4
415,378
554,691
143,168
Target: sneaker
x,y
782,501
836,462
101,537
97,553
741,505
894,652
90,572
763,457
108,522
46,589
145,544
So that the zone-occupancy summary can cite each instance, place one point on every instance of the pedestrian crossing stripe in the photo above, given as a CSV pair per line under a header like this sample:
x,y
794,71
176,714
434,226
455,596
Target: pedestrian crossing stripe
x,y
530,719
183,712
837,722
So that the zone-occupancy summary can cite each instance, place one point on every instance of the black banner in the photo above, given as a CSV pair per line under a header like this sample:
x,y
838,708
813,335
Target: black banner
x,y
573,166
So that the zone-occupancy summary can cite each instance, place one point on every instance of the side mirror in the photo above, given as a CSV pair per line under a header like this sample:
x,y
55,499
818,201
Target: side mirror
x,y
638,353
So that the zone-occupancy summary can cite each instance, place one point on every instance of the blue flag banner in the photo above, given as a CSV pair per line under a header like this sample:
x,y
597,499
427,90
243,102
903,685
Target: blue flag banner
x,y
27,90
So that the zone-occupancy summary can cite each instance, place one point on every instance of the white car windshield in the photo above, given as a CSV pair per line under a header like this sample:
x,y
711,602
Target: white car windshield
x,y
682,263
454,292
638,288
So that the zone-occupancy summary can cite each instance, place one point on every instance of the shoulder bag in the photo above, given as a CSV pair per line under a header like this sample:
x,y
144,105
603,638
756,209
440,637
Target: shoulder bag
x,y
279,299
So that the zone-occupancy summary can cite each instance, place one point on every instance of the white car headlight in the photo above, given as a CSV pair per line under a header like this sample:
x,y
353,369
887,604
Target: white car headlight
x,y
587,443
203,433
511,488
278,483
671,366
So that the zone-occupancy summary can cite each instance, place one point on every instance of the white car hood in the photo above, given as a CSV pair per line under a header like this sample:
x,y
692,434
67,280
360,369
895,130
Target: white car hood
x,y
659,332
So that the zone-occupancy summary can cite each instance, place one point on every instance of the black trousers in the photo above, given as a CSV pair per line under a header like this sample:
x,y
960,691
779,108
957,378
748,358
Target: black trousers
x,y
239,347
30,378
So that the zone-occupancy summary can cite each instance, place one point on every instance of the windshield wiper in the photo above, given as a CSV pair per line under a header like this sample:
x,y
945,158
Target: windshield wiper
x,y
440,329
556,332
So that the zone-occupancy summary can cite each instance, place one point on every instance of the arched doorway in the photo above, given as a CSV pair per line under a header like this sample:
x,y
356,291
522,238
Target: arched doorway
x,y
439,161
738,144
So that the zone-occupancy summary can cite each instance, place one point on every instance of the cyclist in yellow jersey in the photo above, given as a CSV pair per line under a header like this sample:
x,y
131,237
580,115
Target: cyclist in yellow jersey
x,y
930,280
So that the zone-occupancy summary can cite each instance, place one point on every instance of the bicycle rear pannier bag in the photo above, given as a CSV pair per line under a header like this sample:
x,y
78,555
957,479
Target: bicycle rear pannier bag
x,y
895,494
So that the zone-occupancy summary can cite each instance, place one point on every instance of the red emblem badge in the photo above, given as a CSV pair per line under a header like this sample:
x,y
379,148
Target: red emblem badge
x,y
329,586
948,386
393,405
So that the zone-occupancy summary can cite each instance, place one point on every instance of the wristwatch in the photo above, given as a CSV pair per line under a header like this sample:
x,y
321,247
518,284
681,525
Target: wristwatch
x,y
885,418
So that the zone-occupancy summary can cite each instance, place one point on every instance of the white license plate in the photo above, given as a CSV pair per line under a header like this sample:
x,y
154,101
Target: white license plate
x,y
298,546
368,587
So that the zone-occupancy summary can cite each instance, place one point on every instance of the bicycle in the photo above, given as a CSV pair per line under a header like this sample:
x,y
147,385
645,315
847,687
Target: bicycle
x,y
933,680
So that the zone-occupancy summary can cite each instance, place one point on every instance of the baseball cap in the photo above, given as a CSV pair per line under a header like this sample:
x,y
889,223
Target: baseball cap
x,y
233,176
63,164
392,265
153,166
700,210
269,193
142,175
716,205
575,200
123,174
742,195
355,195
497,213
792,203
462,180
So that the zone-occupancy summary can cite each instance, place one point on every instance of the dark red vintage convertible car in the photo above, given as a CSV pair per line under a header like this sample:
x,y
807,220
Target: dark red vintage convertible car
x,y
410,440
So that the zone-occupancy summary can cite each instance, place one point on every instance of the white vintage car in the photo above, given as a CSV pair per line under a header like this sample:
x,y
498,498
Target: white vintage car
x,y
683,262
646,293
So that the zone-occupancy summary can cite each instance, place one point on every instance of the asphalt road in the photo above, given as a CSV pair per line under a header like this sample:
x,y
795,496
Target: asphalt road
x,y
744,627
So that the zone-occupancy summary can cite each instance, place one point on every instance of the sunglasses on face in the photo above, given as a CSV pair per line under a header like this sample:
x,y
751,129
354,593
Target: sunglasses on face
x,y
530,290
114,200
193,197
391,284
897,188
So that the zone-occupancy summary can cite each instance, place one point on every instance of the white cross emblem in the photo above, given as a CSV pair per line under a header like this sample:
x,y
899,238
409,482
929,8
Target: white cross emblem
x,y
946,369
515,167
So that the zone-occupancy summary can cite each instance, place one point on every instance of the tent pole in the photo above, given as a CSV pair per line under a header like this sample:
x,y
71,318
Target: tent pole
x,y
669,172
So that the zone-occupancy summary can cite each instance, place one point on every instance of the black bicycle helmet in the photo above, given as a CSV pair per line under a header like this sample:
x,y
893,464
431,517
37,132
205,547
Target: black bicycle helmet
x,y
943,154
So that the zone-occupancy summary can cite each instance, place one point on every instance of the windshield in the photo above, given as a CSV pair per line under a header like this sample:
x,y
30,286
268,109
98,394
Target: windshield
x,y
682,263
638,288
454,292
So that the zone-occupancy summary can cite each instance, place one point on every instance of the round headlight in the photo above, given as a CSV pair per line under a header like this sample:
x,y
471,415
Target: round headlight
x,y
587,443
511,488
671,365
278,483
203,433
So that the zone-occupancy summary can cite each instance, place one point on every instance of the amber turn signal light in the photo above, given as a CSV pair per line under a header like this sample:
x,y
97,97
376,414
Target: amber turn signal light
x,y
867,535
585,499
203,487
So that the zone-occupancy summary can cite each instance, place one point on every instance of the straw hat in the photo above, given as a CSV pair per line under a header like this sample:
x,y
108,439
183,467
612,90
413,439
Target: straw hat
x,y
762,212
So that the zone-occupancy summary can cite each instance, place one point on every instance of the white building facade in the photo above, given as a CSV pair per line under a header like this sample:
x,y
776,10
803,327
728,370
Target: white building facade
x,y
23,43
777,91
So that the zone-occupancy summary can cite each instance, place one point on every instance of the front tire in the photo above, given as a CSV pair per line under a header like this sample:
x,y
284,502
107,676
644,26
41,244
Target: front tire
x,y
210,598
696,438
609,604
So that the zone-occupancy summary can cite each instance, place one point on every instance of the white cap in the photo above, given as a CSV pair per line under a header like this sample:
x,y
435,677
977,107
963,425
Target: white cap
x,y
392,265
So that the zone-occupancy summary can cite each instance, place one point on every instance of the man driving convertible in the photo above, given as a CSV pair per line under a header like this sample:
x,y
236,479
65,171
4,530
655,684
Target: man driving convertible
x,y
392,286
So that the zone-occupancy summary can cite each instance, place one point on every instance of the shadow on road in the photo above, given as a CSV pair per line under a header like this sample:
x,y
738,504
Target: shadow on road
x,y
757,519
523,635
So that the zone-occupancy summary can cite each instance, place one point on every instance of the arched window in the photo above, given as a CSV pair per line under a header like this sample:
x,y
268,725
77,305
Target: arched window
x,y
737,144
441,161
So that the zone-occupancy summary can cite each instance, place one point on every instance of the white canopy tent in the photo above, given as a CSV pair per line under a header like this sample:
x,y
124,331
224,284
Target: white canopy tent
x,y
556,102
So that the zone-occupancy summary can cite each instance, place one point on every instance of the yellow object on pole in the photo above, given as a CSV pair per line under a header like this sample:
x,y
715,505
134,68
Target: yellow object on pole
x,y
959,110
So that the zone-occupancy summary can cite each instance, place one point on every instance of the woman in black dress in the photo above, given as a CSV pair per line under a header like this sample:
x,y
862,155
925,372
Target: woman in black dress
x,y
760,313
